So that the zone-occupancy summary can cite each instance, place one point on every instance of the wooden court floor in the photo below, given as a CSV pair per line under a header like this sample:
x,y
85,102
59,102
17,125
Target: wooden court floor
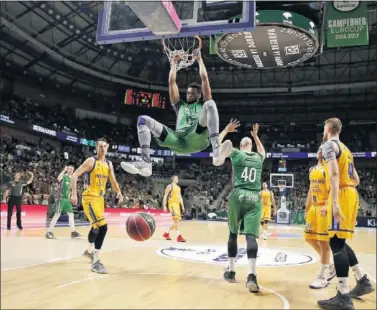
x,y
52,274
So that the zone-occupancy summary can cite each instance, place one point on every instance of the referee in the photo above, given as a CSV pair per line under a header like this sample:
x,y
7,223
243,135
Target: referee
x,y
15,188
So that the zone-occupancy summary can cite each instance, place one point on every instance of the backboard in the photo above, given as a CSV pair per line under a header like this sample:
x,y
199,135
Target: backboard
x,y
118,22
285,179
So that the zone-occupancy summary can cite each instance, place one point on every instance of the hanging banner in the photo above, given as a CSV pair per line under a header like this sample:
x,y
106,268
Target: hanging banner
x,y
347,23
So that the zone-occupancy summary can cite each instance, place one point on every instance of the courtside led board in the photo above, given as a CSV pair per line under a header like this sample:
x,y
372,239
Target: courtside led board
x,y
117,22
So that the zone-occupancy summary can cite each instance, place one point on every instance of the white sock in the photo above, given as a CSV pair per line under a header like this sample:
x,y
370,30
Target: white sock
x,y
177,233
90,247
252,263
232,263
96,256
54,221
358,272
322,272
71,220
343,285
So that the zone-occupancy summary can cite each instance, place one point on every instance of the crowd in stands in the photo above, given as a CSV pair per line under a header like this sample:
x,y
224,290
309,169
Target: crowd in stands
x,y
209,191
274,136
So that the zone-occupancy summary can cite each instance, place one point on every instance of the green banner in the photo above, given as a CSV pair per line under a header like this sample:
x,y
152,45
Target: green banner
x,y
347,23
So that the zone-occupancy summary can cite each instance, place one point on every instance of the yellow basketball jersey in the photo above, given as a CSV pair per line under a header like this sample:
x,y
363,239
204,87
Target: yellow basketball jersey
x,y
346,166
266,198
319,184
97,179
174,196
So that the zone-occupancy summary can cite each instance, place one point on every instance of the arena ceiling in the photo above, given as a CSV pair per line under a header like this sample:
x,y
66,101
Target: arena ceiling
x,y
54,44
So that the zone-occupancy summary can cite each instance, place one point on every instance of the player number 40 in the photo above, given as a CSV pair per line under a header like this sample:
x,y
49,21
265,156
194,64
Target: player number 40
x,y
249,174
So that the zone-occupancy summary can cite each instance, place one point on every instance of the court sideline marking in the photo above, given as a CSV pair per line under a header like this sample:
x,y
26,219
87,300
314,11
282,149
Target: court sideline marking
x,y
281,297
53,260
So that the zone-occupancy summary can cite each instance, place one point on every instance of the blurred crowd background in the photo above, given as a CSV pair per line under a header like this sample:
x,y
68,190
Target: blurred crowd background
x,y
205,188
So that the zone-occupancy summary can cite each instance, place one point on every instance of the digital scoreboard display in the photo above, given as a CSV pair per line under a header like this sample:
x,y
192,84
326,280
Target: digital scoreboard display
x,y
145,99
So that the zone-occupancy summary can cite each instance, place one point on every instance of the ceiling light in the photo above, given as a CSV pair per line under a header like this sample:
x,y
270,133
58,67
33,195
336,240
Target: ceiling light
x,y
43,5
50,12
57,16
70,26
77,31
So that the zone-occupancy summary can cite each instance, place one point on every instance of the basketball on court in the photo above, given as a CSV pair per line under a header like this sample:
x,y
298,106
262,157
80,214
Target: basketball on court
x,y
140,226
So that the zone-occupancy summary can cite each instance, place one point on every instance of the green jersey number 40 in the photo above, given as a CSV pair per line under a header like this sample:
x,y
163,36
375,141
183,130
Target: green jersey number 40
x,y
249,174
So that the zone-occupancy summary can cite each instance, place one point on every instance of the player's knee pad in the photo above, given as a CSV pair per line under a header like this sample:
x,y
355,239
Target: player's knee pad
x,y
92,236
352,259
252,246
232,245
210,104
337,244
102,230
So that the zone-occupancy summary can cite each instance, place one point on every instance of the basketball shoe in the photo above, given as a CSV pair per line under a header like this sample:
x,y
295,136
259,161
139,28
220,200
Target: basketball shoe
x,y
88,255
50,235
217,159
230,276
252,283
363,287
166,235
75,234
138,167
98,267
340,301
320,282
332,273
180,239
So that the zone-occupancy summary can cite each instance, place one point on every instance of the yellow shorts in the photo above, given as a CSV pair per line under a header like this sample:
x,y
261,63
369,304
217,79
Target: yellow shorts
x,y
316,225
175,210
349,204
94,208
266,213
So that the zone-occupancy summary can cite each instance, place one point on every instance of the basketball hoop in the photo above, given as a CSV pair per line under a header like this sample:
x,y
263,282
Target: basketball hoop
x,y
186,48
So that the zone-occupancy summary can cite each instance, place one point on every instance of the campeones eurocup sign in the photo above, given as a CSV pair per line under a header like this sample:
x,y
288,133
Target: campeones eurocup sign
x,y
281,39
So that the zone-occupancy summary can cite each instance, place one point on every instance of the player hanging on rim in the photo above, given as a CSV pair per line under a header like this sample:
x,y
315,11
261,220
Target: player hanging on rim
x,y
62,203
174,203
316,233
268,200
197,123
98,170
341,217
245,209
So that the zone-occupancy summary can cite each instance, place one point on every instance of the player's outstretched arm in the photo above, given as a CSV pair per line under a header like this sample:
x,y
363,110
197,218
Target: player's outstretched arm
x,y
258,143
173,87
114,183
85,167
231,127
206,88
61,174
31,178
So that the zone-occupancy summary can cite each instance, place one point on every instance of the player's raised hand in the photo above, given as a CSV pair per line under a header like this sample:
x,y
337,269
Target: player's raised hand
x,y
177,57
233,125
254,132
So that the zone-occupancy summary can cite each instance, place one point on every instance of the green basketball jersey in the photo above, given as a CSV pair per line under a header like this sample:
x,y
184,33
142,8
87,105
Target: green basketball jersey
x,y
64,187
247,170
187,114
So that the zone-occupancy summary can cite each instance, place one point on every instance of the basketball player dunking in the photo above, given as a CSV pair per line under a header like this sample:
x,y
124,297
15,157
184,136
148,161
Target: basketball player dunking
x,y
244,211
98,170
62,203
174,203
342,211
316,233
197,123
268,200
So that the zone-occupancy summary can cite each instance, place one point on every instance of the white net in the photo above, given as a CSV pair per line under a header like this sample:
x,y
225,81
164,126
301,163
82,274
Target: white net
x,y
182,50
